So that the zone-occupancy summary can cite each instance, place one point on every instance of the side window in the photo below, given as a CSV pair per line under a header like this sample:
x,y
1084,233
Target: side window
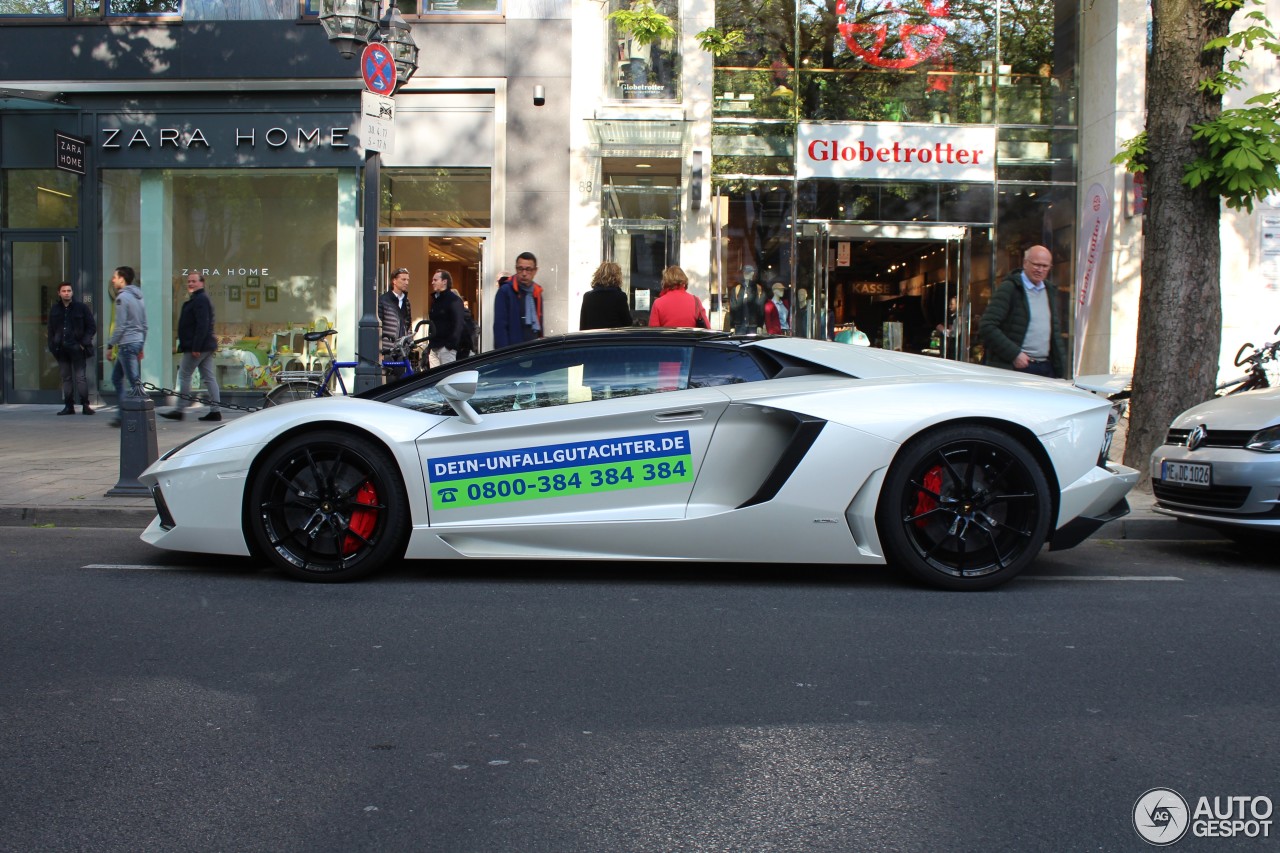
x,y
723,366
563,376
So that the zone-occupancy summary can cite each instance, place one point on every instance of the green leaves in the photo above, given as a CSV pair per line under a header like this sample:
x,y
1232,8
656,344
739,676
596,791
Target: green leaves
x,y
644,23
718,43
1241,162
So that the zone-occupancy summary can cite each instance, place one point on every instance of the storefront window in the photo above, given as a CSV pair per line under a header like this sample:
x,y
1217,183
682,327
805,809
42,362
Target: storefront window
x,y
265,241
754,250
41,198
939,61
639,69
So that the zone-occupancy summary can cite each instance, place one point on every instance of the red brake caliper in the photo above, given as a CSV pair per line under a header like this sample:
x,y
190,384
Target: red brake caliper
x,y
926,501
362,520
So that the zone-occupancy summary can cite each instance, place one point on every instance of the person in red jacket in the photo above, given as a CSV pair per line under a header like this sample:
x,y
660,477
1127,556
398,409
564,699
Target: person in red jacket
x,y
676,307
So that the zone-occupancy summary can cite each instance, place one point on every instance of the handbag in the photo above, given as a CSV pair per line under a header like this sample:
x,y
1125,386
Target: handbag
x,y
700,321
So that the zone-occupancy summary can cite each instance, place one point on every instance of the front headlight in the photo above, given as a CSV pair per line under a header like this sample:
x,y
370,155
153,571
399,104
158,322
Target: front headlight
x,y
1265,440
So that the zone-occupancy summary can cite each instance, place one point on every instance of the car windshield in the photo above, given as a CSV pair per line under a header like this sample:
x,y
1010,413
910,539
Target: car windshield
x,y
580,374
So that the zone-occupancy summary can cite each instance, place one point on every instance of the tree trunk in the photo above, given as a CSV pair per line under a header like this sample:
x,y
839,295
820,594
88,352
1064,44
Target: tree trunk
x,y
1180,309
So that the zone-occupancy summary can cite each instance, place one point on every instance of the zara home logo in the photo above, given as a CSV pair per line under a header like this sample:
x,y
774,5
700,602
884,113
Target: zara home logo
x,y
1162,817
180,138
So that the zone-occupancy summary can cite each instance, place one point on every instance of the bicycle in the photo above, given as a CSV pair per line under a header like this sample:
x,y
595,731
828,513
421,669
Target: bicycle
x,y
297,385
1255,375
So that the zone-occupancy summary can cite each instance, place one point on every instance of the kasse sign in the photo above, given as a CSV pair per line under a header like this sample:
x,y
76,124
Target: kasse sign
x,y
896,152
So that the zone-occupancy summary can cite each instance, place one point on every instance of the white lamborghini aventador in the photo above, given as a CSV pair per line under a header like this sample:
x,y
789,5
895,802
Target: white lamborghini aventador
x,y
658,444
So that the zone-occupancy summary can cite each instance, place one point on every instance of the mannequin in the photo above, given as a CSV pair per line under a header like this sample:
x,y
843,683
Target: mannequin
x,y
746,304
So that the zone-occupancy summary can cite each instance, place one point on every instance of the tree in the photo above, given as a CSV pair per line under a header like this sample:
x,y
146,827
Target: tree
x,y
1194,155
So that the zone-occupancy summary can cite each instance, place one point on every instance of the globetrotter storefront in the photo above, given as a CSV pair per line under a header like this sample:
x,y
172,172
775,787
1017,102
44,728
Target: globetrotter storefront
x,y
261,194
887,165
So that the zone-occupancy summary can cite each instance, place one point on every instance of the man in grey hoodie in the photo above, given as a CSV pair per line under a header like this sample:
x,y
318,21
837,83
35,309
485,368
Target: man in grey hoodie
x,y
125,345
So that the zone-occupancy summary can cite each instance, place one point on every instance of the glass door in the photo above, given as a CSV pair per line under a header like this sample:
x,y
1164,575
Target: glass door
x,y
640,224
34,266
904,287
820,320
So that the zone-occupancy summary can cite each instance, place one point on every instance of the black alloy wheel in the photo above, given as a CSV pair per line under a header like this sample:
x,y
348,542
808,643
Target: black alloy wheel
x,y
964,508
328,506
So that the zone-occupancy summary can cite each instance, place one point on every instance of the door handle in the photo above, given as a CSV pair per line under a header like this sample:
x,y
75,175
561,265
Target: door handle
x,y
682,415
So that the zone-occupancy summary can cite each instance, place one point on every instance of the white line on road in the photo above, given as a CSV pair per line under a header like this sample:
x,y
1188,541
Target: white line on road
x,y
1101,578
127,566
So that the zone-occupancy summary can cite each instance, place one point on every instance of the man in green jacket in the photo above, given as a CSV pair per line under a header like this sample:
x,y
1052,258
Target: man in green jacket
x,y
1020,326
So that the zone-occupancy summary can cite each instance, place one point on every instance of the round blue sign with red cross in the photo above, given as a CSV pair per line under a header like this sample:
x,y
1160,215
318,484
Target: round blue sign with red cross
x,y
378,69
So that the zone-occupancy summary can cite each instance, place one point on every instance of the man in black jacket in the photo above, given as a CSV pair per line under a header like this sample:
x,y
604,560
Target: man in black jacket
x,y
394,313
198,345
448,321
71,331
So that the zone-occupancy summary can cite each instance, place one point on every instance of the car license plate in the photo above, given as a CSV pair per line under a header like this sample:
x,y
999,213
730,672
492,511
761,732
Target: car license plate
x,y
1187,473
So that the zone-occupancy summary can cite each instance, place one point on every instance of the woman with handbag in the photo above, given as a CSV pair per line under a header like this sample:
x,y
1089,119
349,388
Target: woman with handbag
x,y
676,307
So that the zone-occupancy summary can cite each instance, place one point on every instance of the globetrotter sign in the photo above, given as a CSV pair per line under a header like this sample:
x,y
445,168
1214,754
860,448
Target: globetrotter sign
x,y
896,152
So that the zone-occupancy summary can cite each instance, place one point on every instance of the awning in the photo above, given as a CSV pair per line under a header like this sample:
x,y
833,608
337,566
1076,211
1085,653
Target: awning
x,y
640,137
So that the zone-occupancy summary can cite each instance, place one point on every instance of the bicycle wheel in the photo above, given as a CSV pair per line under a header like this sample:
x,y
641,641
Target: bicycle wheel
x,y
288,392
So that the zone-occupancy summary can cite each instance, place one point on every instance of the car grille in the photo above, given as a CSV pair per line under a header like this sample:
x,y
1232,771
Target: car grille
x,y
1213,437
1214,497
162,509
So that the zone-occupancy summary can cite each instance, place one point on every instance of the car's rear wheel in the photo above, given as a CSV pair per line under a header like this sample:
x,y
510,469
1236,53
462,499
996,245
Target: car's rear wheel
x,y
964,508
328,506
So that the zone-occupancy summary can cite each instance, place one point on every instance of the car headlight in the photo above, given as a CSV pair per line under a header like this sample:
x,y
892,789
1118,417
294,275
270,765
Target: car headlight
x,y
1265,440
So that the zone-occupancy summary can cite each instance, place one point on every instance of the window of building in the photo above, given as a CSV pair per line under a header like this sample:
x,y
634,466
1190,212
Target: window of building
x,y
435,198
640,70
40,198
433,7
266,242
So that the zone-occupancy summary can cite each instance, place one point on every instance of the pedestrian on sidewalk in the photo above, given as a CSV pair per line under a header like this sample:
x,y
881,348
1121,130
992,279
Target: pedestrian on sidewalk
x,y
71,332
125,345
197,343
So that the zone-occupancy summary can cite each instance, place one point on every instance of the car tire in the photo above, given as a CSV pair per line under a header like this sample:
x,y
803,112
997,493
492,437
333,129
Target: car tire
x,y
328,506
964,508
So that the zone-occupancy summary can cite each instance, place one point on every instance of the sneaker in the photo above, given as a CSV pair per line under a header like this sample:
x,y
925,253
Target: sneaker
x,y
172,414
85,410
212,416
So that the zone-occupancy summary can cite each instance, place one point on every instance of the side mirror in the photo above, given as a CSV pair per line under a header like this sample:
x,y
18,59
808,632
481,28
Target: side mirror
x,y
457,389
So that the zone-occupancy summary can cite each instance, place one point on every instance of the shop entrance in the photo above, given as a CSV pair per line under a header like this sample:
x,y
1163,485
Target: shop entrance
x,y
33,266
905,287
640,224
461,254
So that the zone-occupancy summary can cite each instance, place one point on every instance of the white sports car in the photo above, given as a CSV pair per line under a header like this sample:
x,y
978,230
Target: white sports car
x,y
658,444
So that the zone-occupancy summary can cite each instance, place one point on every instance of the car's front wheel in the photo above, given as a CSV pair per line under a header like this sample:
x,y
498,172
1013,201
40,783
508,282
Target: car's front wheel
x,y
328,506
964,508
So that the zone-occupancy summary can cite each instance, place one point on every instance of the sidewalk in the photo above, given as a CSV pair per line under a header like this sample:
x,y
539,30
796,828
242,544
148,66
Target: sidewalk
x,y
57,471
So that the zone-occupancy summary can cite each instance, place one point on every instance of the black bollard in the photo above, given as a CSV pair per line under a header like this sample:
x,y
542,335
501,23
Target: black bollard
x,y
137,444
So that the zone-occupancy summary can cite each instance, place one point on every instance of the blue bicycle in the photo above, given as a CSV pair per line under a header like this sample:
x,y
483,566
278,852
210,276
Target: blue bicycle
x,y
304,384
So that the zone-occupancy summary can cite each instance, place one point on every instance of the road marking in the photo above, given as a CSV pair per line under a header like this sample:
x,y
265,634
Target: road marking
x,y
127,566
1101,578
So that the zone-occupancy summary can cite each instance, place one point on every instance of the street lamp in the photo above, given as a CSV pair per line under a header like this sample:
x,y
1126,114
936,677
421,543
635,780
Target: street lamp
x,y
350,25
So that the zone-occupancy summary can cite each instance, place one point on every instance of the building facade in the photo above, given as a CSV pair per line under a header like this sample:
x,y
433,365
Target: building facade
x,y
881,164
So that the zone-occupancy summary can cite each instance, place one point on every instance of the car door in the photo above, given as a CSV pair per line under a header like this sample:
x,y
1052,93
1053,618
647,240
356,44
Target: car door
x,y
605,432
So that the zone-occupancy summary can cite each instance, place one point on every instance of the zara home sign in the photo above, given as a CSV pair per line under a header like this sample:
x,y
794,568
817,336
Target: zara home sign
x,y
896,152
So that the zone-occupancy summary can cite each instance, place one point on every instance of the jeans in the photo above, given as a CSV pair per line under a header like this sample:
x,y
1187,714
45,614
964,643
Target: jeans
x,y
208,376
127,365
75,385
442,355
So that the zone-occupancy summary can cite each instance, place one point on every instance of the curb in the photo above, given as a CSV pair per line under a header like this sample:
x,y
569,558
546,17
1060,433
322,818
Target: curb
x,y
93,517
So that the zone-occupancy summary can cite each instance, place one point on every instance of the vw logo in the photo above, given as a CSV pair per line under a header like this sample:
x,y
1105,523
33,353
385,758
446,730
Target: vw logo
x,y
1196,437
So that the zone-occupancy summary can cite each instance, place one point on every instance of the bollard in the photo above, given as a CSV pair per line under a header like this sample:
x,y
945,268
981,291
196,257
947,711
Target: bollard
x,y
137,444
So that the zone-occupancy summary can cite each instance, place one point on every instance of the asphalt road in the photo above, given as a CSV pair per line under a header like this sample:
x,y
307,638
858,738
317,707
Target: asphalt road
x,y
153,701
